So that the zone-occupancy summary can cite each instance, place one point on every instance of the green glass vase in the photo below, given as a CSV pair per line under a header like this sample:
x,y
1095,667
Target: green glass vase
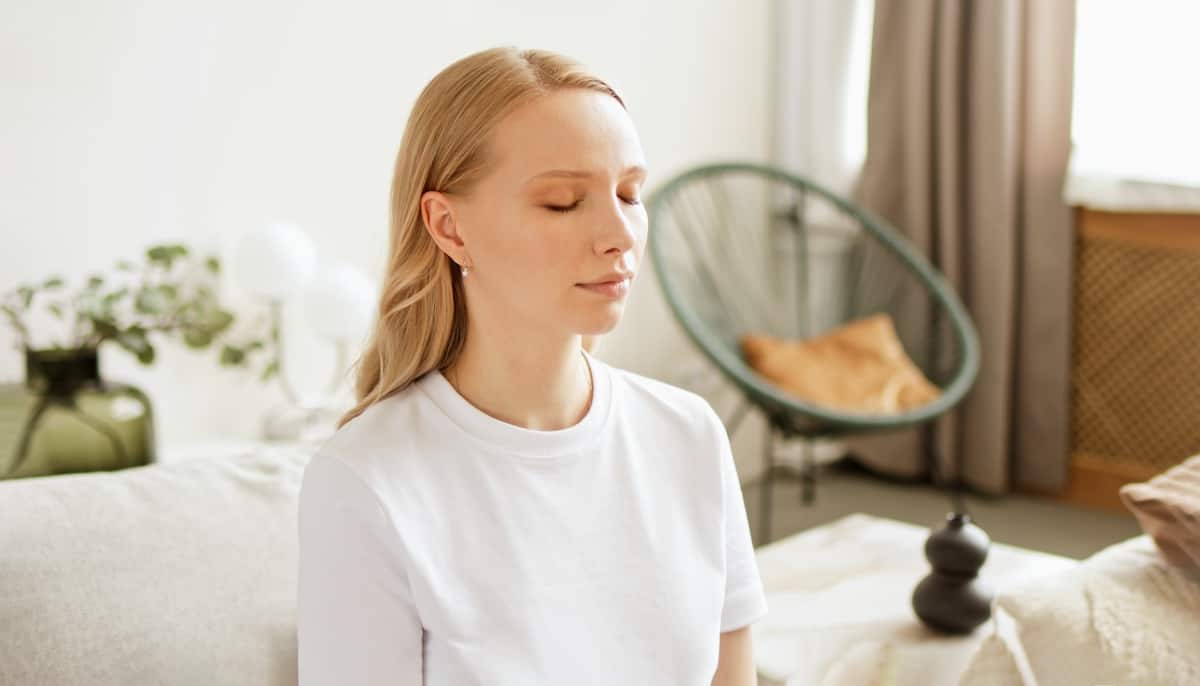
x,y
65,418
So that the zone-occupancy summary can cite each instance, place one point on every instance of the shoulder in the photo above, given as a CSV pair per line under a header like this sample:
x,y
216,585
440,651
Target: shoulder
x,y
686,439
663,401
379,441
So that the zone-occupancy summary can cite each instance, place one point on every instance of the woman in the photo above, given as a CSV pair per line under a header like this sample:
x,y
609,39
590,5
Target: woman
x,y
501,507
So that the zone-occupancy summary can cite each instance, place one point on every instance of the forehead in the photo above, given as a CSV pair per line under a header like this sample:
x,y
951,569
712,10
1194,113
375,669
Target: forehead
x,y
574,129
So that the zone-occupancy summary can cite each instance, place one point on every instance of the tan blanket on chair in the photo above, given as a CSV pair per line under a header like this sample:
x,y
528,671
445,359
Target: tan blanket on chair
x,y
860,367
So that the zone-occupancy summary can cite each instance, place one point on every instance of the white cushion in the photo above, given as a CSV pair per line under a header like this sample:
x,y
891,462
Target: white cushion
x,y
1123,616
180,573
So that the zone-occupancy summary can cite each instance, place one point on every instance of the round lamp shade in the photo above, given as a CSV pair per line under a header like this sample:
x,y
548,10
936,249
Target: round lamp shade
x,y
274,261
339,302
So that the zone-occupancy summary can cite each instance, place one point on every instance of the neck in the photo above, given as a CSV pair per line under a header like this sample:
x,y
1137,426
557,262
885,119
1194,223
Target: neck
x,y
544,386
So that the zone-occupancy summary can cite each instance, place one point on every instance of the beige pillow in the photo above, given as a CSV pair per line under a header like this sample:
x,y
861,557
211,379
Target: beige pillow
x,y
1168,508
860,367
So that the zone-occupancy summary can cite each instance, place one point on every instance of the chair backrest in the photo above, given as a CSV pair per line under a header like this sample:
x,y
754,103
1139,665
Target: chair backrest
x,y
745,248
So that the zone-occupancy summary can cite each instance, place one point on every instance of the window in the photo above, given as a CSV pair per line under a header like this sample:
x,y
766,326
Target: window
x,y
1136,110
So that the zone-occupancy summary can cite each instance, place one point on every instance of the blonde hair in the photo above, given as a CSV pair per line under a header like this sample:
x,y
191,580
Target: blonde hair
x,y
422,318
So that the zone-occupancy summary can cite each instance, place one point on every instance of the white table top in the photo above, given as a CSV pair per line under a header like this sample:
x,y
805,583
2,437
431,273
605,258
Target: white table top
x,y
839,606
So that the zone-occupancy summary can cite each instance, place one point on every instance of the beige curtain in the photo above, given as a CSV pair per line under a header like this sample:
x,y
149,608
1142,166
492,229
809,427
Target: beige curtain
x,y
968,140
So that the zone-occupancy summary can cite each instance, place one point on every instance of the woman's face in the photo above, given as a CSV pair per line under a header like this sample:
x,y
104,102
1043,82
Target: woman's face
x,y
560,207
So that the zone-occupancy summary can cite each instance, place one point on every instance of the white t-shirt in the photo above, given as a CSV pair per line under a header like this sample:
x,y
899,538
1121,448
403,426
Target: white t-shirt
x,y
442,546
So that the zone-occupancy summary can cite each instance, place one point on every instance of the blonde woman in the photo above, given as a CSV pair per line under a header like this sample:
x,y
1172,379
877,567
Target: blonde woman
x,y
502,507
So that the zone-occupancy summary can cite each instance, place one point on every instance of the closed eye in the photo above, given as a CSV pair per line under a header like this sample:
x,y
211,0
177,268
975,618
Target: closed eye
x,y
567,208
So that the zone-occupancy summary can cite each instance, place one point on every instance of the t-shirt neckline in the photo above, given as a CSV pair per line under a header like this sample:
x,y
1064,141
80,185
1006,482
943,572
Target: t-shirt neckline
x,y
499,435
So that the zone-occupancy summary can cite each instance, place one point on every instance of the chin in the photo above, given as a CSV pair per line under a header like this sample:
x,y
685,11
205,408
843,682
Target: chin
x,y
596,326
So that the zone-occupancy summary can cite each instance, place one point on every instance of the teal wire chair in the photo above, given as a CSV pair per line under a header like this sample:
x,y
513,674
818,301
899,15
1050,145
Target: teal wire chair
x,y
746,248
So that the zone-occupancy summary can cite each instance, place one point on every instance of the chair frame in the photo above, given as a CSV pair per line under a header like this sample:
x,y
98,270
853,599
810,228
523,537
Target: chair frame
x,y
789,416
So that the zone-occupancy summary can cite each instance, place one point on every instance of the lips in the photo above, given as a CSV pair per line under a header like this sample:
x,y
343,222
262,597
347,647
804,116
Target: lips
x,y
613,288
608,279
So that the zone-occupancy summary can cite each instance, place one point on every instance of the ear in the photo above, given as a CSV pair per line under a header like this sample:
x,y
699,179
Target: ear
x,y
437,214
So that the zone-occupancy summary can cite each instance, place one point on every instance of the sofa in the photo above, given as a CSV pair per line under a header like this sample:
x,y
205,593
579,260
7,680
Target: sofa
x,y
175,573
185,573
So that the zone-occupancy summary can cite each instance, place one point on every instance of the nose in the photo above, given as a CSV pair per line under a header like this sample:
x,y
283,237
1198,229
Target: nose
x,y
620,227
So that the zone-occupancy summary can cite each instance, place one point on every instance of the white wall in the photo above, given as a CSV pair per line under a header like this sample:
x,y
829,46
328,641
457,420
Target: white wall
x,y
125,123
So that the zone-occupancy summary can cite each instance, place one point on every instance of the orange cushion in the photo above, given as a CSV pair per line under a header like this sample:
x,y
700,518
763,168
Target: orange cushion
x,y
860,367
1168,508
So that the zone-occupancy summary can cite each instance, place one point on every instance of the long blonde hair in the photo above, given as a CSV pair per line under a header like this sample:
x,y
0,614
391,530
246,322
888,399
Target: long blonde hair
x,y
422,319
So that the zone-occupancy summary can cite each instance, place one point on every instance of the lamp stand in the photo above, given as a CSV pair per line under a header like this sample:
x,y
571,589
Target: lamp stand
x,y
301,418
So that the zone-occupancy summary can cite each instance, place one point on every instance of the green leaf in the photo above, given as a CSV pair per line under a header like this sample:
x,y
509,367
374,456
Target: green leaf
x,y
197,338
110,299
158,253
125,266
103,327
151,301
220,320
197,315
214,265
165,255
95,281
52,283
13,317
271,370
231,356
134,340
26,294
55,309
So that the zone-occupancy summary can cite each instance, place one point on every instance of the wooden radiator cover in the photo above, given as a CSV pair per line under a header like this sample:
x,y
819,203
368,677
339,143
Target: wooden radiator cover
x,y
1135,378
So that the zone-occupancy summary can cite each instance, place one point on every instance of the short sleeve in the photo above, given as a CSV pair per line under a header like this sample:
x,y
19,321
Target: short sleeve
x,y
745,600
356,621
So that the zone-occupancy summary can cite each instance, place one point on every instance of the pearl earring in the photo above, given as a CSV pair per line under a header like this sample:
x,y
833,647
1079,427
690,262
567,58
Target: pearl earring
x,y
465,270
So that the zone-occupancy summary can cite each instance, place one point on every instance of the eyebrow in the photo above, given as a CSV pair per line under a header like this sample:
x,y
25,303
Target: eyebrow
x,y
636,169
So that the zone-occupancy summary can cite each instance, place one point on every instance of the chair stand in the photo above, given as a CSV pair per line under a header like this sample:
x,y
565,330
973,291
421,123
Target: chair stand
x,y
807,476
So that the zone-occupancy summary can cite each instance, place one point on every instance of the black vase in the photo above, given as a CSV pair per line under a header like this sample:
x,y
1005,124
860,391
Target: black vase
x,y
66,418
953,599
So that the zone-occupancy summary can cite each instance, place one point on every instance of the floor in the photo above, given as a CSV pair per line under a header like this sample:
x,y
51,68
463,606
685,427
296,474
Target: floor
x,y
1026,521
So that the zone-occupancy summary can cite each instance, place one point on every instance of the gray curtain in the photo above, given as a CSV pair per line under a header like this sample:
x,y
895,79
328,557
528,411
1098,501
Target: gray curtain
x,y
968,139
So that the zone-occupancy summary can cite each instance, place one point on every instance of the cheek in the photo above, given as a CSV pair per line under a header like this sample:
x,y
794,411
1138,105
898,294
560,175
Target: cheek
x,y
528,251
503,238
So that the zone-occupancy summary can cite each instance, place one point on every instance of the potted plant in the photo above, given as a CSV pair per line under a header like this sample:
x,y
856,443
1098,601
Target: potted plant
x,y
67,417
